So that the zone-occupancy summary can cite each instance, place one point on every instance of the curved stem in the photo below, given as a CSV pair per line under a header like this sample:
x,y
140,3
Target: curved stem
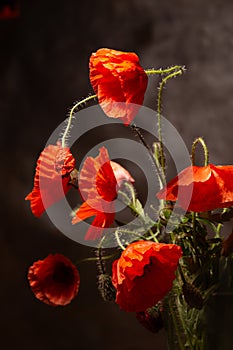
x,y
70,118
152,71
205,149
118,240
153,236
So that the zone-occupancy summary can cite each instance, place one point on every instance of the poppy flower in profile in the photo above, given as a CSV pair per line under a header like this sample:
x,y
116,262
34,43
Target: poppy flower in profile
x,y
99,181
54,280
119,82
52,178
201,188
144,274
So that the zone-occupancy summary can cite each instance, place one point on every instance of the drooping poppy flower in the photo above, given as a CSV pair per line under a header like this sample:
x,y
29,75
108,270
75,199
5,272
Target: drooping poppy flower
x,y
54,280
52,178
201,188
144,274
99,180
119,82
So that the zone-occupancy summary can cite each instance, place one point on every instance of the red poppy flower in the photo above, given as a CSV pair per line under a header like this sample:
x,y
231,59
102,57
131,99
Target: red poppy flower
x,y
99,180
207,188
117,76
51,181
144,274
54,280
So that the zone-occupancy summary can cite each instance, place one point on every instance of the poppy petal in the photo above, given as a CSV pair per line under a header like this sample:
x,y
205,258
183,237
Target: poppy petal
x,y
144,274
119,82
201,188
97,177
54,280
51,181
99,180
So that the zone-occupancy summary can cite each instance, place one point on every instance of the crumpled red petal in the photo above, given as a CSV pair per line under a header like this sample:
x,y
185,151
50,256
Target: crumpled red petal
x,y
207,188
96,178
99,180
119,82
144,274
103,219
51,181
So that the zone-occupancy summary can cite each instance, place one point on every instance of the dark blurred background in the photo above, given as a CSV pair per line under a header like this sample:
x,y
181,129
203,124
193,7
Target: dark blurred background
x,y
43,70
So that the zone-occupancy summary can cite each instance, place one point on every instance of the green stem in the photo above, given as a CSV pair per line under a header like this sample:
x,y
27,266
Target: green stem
x,y
106,257
205,149
218,230
153,236
187,334
179,70
100,260
118,240
71,114
160,175
161,71
175,324
129,232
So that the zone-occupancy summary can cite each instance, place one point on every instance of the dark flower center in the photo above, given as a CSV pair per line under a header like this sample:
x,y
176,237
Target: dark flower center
x,y
63,274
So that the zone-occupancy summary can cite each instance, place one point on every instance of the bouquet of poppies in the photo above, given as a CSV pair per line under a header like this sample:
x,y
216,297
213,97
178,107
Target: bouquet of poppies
x,y
169,258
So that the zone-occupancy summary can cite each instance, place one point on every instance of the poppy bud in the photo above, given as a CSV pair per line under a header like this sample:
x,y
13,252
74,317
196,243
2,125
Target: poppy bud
x,y
151,319
105,287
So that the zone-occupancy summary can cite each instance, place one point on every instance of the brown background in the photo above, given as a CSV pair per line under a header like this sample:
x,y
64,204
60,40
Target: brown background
x,y
43,70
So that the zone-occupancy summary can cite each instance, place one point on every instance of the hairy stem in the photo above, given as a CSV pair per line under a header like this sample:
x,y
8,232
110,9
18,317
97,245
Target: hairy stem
x,y
178,71
205,149
70,118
